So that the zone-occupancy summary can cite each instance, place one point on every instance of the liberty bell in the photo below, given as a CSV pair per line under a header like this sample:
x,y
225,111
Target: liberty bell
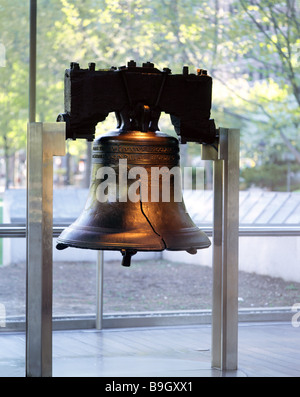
x,y
135,198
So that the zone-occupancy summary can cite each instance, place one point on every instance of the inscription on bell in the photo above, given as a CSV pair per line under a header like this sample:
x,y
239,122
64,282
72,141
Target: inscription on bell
x,y
135,149
135,158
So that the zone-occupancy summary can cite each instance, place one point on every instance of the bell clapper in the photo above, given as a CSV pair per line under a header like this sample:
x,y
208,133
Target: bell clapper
x,y
127,254
192,251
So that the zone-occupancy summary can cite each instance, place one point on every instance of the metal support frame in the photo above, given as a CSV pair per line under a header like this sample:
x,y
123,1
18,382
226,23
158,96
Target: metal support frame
x,y
225,248
44,140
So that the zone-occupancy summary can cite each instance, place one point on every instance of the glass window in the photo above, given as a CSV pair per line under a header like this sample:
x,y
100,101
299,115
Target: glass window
x,y
13,279
252,51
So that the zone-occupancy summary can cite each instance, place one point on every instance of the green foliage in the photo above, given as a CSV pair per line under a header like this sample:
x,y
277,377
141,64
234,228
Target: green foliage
x,y
251,49
14,76
270,176
264,36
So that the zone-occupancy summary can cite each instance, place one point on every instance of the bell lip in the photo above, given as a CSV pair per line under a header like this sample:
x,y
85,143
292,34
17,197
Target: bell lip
x,y
64,245
112,247
165,240
154,245
197,247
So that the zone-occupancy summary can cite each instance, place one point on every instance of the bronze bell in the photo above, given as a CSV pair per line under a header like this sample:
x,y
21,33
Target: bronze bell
x,y
135,198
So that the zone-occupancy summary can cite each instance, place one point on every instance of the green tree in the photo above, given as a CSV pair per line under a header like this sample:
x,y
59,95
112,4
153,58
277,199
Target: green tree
x,y
233,41
13,79
263,40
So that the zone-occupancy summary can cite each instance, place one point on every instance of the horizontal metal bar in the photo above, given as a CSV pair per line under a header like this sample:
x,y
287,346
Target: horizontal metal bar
x,y
19,230
12,231
269,231
263,231
152,319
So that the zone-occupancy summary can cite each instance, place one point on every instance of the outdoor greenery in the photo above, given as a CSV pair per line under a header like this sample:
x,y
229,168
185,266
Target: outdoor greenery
x,y
251,48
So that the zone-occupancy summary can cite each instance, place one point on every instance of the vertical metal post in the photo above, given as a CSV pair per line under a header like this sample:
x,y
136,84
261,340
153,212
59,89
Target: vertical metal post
x,y
100,271
32,60
44,140
231,249
217,261
225,249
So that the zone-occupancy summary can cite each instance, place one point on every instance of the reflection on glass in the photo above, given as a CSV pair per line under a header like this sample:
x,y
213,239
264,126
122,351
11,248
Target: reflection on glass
x,y
176,284
74,282
155,282
74,288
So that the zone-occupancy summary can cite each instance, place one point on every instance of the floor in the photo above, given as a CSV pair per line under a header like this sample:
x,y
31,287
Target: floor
x,y
265,350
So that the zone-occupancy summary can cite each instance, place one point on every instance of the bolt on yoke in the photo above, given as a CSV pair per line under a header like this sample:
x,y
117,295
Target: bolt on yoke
x,y
137,95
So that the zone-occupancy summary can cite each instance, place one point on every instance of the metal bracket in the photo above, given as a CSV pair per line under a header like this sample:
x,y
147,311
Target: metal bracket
x,y
225,155
44,140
